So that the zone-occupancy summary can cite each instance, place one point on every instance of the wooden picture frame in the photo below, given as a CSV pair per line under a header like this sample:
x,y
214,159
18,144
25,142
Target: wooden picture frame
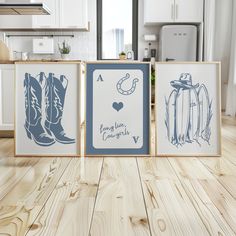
x,y
116,109
47,109
188,109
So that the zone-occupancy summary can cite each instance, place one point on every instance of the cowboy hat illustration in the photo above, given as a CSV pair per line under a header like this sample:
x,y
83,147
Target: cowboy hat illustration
x,y
184,82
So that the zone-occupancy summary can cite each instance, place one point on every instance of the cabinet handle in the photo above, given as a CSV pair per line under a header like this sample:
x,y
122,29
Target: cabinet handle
x,y
172,11
176,12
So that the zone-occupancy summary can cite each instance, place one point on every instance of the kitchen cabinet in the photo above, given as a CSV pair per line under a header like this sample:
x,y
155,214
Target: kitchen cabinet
x,y
66,14
47,21
15,21
73,14
189,10
6,97
158,11
173,11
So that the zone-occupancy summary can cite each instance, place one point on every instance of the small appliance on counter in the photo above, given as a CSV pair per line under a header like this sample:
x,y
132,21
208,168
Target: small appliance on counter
x,y
43,46
153,56
178,43
148,52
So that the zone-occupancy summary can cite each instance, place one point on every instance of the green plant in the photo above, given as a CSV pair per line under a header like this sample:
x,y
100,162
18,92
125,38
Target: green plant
x,y
152,75
122,53
65,49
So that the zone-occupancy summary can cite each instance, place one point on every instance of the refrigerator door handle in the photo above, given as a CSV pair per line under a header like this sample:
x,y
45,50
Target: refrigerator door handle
x,y
176,11
170,59
172,11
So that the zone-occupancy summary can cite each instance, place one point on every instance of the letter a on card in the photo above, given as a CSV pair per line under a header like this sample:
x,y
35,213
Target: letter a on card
x,y
100,78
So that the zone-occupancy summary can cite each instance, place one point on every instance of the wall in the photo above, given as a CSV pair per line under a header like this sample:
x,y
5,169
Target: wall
x,y
83,45
222,40
145,30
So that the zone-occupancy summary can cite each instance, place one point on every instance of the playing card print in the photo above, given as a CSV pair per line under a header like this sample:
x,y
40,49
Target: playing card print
x,y
117,109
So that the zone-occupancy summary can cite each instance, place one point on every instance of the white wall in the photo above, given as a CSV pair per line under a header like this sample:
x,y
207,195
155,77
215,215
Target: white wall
x,y
222,40
83,45
145,30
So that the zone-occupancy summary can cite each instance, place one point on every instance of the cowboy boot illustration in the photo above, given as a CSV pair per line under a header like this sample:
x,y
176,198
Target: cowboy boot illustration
x,y
55,91
33,111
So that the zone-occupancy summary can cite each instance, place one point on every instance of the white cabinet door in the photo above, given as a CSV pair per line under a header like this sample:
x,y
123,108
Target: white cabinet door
x,y
47,21
188,10
156,11
15,21
73,14
7,97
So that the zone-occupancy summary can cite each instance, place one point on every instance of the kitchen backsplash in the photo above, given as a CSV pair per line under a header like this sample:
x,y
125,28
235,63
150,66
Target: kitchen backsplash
x,y
83,44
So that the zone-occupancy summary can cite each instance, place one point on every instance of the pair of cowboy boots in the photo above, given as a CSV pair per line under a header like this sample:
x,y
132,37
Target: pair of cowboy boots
x,y
54,93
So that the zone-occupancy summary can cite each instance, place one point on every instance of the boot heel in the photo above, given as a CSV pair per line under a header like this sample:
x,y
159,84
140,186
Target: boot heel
x,y
28,134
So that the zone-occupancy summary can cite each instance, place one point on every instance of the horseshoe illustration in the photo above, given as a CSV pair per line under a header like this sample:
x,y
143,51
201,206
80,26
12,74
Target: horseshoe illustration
x,y
126,92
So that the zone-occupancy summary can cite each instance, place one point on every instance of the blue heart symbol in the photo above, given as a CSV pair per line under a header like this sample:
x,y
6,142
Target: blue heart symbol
x,y
117,106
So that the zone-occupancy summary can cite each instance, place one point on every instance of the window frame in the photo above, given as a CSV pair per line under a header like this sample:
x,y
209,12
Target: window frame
x,y
134,29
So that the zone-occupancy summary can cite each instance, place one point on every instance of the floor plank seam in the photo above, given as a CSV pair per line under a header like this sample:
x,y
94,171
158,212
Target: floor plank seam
x,y
29,228
182,184
205,166
145,204
90,226
19,180
190,200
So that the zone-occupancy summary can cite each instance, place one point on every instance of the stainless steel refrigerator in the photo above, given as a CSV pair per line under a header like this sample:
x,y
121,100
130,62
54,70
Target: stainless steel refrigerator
x,y
178,43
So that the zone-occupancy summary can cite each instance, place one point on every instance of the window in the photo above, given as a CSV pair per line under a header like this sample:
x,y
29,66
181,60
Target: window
x,y
117,27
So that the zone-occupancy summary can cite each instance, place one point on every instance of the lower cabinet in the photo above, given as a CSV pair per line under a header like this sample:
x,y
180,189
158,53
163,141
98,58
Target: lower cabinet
x,y
6,97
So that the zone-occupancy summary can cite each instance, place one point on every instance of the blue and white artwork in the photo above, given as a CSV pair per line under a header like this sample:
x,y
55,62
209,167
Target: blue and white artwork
x,y
188,109
47,109
117,109
188,112
51,91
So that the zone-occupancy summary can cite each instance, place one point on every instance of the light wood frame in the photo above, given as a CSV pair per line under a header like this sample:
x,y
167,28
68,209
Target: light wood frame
x,y
85,127
218,64
78,63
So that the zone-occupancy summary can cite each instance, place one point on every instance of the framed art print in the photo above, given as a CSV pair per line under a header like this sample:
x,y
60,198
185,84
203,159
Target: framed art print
x,y
188,109
47,109
117,109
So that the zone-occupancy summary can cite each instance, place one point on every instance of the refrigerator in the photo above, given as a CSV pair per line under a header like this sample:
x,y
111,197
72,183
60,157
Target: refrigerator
x,y
178,43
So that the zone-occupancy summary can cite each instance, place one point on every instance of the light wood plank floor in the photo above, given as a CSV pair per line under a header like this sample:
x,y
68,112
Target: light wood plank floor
x,y
119,196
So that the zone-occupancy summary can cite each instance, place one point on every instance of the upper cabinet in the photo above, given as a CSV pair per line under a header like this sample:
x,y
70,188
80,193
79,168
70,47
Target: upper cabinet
x,y
156,11
65,14
165,11
73,14
47,21
15,21
188,10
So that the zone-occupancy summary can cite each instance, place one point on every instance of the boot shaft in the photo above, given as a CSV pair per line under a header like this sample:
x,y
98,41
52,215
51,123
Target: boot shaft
x,y
55,91
33,99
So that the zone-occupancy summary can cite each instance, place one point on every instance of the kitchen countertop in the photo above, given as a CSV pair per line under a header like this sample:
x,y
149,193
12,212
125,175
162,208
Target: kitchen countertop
x,y
36,61
7,62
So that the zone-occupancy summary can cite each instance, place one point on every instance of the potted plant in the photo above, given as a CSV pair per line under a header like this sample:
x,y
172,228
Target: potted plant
x,y
64,50
122,55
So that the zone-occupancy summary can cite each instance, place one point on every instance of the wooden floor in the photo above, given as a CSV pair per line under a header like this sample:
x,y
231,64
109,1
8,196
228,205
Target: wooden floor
x,y
119,196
